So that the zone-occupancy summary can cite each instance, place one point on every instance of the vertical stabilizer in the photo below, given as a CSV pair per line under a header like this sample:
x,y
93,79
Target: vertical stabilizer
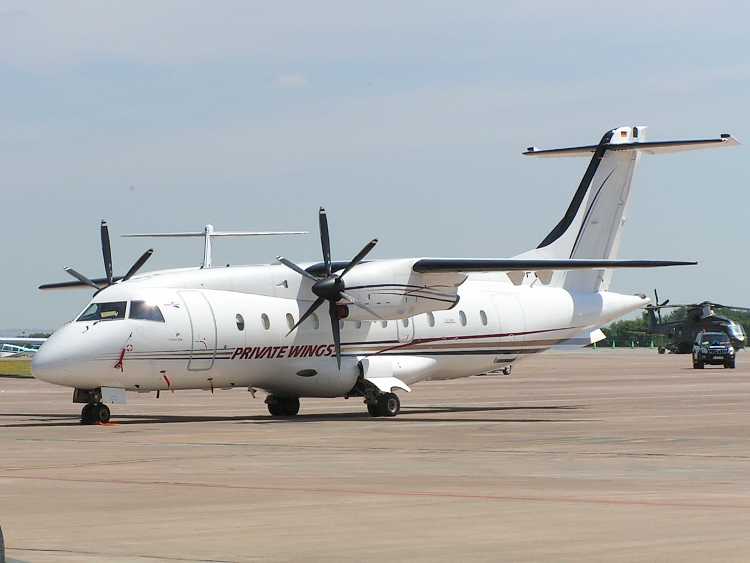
x,y
592,225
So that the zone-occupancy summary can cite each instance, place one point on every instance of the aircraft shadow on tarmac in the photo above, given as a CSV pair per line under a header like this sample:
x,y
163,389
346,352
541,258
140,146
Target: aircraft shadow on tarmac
x,y
411,414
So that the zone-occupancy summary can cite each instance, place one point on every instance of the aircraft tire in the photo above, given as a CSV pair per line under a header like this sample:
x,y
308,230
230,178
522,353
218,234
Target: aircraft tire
x,y
373,409
87,416
101,413
283,406
389,404
291,406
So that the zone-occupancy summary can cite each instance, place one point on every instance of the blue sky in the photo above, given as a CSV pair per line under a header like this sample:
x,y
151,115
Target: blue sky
x,y
405,119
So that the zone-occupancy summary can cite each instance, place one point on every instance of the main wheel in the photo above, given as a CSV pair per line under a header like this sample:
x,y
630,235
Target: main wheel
x,y
389,404
507,370
283,406
373,409
661,350
291,406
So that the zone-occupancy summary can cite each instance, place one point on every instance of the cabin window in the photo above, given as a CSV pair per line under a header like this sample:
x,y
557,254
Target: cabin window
x,y
430,319
462,318
357,324
483,316
384,324
240,321
104,312
265,321
290,321
143,311
315,321
405,322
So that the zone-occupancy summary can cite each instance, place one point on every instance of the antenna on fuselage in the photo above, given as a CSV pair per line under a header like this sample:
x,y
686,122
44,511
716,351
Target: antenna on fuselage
x,y
209,232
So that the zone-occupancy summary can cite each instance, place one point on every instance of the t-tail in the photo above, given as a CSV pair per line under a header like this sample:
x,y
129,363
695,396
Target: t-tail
x,y
592,225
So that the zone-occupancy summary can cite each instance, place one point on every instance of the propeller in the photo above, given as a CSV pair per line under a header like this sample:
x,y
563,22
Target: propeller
x,y
109,279
658,306
330,287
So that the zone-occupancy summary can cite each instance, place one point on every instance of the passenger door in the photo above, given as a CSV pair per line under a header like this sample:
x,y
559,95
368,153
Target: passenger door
x,y
203,328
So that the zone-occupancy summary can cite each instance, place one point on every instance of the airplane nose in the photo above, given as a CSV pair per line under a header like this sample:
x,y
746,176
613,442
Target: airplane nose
x,y
49,362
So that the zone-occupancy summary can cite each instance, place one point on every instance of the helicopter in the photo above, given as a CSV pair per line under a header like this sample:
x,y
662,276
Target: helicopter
x,y
680,334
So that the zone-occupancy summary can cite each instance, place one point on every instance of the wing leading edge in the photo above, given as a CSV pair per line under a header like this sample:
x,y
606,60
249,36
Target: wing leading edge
x,y
434,265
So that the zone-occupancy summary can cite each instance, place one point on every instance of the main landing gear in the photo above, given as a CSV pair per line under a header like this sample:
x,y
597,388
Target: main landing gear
x,y
383,404
282,406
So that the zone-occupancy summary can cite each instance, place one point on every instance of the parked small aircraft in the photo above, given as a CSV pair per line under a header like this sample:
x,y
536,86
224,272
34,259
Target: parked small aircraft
x,y
357,328
699,317
19,346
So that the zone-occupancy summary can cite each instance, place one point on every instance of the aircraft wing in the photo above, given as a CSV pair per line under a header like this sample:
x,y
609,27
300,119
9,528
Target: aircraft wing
x,y
516,268
428,265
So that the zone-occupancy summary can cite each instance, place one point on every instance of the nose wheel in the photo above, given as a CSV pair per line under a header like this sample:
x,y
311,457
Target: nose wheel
x,y
95,413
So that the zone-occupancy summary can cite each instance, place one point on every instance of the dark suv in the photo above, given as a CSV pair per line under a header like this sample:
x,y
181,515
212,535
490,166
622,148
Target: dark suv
x,y
713,348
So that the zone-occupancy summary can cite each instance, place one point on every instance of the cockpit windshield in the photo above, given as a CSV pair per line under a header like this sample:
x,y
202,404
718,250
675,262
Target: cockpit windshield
x,y
142,310
114,311
715,339
737,330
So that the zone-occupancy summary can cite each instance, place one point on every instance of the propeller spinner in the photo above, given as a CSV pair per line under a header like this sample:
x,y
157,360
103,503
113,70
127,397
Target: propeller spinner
x,y
107,257
330,287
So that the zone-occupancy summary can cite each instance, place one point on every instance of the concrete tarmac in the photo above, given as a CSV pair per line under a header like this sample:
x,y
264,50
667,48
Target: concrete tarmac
x,y
588,456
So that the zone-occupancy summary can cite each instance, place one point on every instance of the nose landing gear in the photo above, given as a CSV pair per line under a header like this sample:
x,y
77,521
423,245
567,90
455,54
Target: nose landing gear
x,y
95,413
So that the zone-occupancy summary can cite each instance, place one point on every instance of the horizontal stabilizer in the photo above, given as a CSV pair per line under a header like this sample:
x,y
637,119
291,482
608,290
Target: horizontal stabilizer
x,y
215,234
648,147
425,265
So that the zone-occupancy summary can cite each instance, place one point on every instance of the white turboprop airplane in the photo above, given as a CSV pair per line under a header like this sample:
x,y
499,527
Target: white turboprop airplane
x,y
357,328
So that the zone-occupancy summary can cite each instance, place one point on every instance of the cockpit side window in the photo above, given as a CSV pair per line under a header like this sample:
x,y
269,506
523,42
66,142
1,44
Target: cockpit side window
x,y
144,311
104,312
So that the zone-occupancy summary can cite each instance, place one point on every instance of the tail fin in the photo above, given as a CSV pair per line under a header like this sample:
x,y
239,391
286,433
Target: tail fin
x,y
592,225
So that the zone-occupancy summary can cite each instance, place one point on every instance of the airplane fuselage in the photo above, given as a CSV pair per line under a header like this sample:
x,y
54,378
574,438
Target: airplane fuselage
x,y
216,337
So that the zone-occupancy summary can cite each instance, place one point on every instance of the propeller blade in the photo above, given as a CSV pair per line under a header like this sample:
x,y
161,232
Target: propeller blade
x,y
318,302
106,251
292,266
360,256
80,277
325,240
336,331
138,264
359,304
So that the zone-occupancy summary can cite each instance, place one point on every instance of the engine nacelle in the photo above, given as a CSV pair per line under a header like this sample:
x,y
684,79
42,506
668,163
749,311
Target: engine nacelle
x,y
394,291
